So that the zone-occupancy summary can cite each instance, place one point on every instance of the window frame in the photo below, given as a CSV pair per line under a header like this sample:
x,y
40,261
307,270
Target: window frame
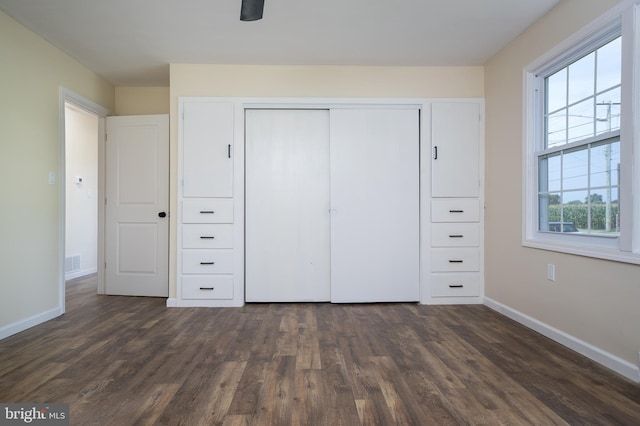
x,y
622,20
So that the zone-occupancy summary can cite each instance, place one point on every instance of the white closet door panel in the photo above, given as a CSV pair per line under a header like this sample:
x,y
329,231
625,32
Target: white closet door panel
x,y
287,206
375,205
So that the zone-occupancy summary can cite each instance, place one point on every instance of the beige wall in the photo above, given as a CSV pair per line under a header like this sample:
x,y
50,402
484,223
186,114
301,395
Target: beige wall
x,y
309,81
594,300
142,100
30,76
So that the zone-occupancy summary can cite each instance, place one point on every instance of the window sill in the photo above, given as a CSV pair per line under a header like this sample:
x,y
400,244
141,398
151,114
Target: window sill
x,y
604,253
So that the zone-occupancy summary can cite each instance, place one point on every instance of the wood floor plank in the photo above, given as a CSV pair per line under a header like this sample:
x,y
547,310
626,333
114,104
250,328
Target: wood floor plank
x,y
131,360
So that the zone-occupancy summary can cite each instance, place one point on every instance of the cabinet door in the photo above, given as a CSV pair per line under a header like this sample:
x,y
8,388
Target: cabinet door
x,y
207,138
455,133
375,205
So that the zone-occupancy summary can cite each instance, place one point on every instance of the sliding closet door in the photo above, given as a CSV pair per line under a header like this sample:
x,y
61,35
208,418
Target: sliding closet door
x,y
374,205
287,206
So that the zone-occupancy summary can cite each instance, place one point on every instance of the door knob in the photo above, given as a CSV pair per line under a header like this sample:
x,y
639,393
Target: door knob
x,y
162,214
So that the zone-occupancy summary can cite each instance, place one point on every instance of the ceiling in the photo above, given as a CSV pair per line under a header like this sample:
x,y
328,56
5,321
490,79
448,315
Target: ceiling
x,y
132,42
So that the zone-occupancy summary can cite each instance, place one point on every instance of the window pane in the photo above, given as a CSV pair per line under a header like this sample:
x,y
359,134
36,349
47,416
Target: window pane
x,y
581,78
604,210
550,209
581,121
557,129
574,169
608,111
549,173
575,213
609,64
557,90
605,161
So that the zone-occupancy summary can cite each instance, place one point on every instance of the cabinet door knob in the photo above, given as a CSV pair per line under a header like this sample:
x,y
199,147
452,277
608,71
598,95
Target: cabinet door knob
x,y
162,214
455,286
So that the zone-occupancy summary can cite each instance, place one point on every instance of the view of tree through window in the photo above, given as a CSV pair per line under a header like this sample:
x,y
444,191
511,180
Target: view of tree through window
x,y
578,166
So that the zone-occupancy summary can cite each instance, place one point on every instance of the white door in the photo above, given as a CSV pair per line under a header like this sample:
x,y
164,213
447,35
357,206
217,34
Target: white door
x,y
137,217
375,205
287,206
455,133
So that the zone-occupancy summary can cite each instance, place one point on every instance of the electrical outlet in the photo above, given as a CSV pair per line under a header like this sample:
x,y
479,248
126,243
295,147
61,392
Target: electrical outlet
x,y
551,272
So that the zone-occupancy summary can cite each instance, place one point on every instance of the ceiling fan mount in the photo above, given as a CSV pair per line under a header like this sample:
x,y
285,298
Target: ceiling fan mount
x,y
251,10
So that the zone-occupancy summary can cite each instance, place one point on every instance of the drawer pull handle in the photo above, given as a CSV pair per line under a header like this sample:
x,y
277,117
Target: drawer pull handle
x,y
455,261
207,212
456,236
455,286
204,237
206,288
207,263
456,211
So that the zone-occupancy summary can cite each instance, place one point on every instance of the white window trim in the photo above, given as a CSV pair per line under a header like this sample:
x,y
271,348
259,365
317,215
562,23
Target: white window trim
x,y
625,248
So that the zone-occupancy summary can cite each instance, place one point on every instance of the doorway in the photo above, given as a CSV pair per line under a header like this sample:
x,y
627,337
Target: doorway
x,y
81,192
76,104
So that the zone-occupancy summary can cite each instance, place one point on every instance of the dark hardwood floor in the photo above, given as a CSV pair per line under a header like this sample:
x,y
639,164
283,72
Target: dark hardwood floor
x,y
128,360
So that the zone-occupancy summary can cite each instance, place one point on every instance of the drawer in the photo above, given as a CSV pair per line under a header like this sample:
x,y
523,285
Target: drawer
x,y
455,235
455,284
207,210
207,261
207,236
455,259
207,287
455,210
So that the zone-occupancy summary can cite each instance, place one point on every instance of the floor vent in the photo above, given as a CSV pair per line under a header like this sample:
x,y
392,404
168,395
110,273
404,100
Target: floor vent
x,y
72,263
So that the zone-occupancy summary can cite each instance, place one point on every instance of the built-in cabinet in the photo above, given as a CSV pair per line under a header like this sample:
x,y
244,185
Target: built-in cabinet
x,y
441,250
207,253
452,225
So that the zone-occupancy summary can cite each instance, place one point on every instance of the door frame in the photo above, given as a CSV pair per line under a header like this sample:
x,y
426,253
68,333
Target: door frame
x,y
71,97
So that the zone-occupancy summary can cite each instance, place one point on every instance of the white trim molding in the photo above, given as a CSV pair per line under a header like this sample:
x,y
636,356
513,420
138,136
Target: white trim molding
x,y
22,325
606,359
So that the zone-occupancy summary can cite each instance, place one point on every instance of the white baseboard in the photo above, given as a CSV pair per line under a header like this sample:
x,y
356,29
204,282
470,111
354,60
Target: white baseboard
x,y
172,302
78,274
24,324
613,362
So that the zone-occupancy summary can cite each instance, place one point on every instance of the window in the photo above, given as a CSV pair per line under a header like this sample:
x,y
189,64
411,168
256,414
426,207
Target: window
x,y
580,144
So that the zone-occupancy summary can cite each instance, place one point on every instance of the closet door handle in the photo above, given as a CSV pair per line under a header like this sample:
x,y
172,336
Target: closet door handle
x,y
207,263
455,261
455,286
456,211
206,288
456,236
435,152
205,237
207,212
229,150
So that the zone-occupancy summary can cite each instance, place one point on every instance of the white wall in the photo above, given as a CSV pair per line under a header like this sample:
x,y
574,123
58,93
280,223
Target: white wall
x,y
595,301
81,211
